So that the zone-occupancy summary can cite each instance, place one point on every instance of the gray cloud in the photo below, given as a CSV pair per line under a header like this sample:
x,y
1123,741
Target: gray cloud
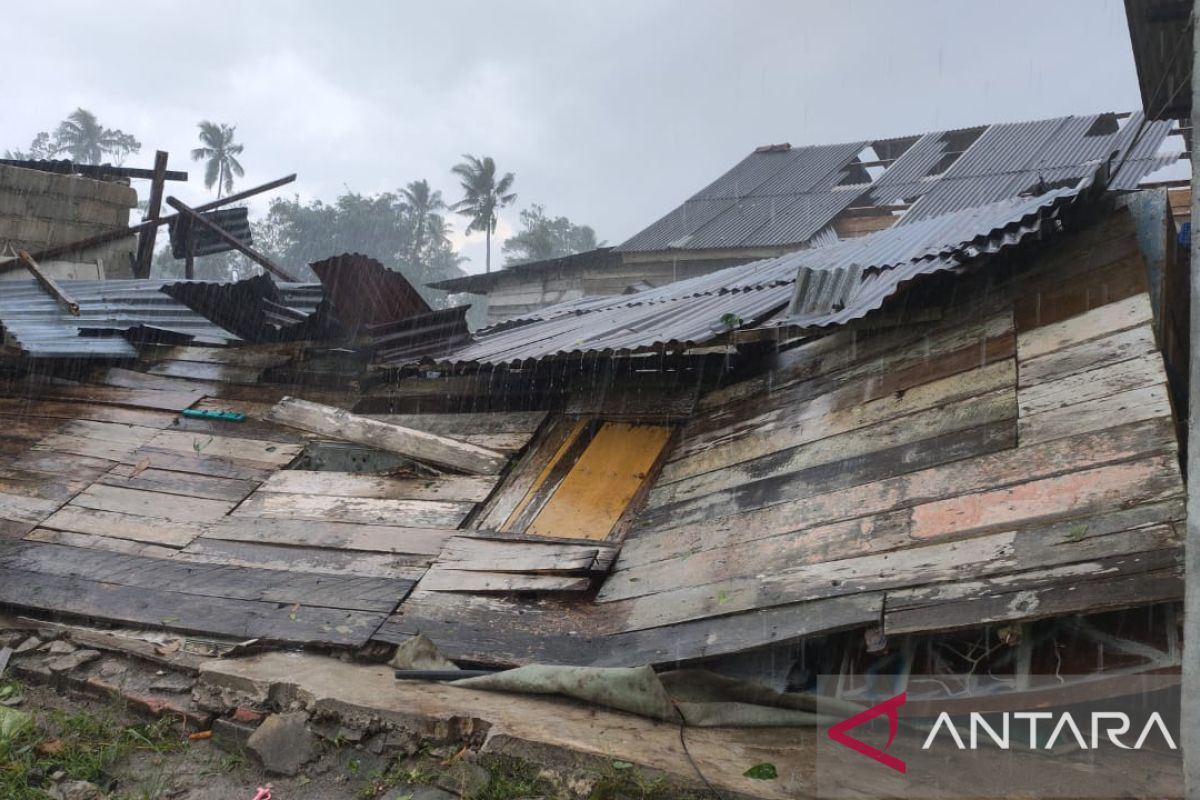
x,y
608,112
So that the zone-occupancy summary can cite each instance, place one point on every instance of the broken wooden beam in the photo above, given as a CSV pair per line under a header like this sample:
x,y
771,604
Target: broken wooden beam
x,y
237,244
418,445
49,284
145,250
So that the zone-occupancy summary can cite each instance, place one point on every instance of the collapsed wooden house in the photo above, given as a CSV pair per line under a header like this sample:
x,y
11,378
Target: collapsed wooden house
x,y
968,425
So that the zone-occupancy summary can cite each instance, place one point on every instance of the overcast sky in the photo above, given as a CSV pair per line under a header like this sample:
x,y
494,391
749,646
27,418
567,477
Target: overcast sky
x,y
610,113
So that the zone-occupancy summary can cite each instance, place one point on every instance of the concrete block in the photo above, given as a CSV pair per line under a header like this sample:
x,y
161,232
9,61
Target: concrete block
x,y
13,204
28,180
283,743
52,207
34,230
118,194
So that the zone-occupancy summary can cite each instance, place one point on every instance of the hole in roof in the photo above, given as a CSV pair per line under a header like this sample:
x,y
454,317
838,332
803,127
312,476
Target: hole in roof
x,y
873,160
1108,124
954,144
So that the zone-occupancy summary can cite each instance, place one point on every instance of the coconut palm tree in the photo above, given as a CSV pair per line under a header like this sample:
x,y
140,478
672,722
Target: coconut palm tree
x,y
85,140
221,152
423,203
483,196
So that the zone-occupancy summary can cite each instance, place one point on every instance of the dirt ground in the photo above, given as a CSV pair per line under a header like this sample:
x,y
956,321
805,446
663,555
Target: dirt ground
x,y
175,767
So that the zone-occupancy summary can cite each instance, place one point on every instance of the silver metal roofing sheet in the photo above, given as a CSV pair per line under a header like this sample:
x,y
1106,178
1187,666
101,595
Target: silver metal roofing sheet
x,y
823,286
33,323
1002,162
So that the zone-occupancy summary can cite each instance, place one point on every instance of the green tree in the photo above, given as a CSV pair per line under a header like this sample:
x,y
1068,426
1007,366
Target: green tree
x,y
424,204
381,226
483,196
543,237
220,152
81,138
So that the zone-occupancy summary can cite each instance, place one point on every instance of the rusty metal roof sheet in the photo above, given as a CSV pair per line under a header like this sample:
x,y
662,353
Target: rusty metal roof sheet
x,y
814,287
365,292
787,197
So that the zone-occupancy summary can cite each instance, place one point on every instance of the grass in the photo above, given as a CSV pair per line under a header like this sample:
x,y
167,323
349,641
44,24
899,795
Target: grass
x,y
84,746
512,778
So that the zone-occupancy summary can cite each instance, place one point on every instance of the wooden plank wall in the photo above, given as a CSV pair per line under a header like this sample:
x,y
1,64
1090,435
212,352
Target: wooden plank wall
x,y
981,464
114,506
1016,459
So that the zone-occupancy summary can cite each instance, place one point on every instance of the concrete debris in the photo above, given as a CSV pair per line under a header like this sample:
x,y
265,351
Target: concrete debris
x,y
73,660
172,682
465,779
58,647
76,790
283,743
32,643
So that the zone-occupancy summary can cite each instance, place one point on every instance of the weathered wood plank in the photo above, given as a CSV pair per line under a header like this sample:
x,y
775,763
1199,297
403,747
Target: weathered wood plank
x,y
923,425
302,559
131,379
254,451
1004,468
89,540
838,475
21,407
1073,494
202,582
1085,356
408,442
1105,380
1098,323
1060,296
459,425
1148,402
180,483
833,543
462,488
491,555
78,519
208,372
405,513
258,355
331,535
757,437
199,464
996,554
439,579
138,502
269,621
19,508
152,399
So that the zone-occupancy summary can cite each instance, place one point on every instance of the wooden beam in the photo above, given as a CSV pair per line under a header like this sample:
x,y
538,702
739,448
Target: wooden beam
x,y
145,252
250,253
133,230
49,284
418,445
65,167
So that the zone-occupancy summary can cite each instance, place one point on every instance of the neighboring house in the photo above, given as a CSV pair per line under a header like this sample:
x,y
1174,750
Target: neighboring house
x,y
781,198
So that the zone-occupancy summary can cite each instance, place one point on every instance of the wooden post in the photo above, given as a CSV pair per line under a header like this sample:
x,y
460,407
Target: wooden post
x,y
49,284
253,255
189,265
145,250
1190,690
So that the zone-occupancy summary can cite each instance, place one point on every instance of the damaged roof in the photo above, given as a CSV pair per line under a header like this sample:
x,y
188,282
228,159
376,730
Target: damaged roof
x,y
821,286
36,326
783,195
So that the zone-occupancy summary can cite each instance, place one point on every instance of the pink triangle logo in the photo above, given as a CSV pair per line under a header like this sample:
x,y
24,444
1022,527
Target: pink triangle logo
x,y
839,735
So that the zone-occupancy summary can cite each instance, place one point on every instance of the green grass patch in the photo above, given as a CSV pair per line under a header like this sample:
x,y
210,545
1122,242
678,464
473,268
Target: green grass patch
x,y
84,746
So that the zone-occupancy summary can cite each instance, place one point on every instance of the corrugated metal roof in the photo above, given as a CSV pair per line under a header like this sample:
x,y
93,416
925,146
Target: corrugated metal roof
x,y
822,286
746,206
36,326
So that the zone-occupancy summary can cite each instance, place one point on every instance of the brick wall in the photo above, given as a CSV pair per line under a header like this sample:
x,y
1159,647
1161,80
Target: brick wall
x,y
42,209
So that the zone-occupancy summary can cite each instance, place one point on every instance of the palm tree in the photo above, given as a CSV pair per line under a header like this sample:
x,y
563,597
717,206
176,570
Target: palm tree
x,y
84,139
422,203
483,196
221,153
